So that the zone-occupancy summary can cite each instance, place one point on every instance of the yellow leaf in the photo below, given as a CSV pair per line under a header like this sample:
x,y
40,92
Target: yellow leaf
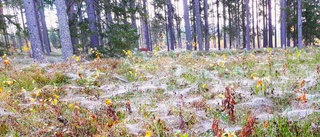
x,y
70,105
9,82
221,96
108,101
148,134
224,56
23,90
78,58
25,48
32,100
6,62
56,96
204,86
54,102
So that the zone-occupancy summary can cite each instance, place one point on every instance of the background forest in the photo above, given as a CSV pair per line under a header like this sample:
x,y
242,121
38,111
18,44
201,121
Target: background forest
x,y
167,68
112,26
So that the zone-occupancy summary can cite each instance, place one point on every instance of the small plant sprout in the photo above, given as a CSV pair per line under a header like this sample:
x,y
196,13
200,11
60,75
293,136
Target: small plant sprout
x,y
229,104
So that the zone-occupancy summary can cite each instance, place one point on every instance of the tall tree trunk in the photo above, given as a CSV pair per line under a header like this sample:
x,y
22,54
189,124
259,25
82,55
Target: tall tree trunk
x,y
270,24
224,24
170,25
108,9
283,23
194,25
253,30
178,24
218,25
299,25
33,30
36,8
264,24
247,26
100,26
83,36
187,25
275,24
23,25
94,38
243,17
133,18
65,38
229,24
206,25
238,25
146,26
72,22
44,28
198,23
257,27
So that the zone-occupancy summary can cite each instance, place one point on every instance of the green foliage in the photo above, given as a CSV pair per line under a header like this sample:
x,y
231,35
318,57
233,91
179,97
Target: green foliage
x,y
54,38
282,127
121,37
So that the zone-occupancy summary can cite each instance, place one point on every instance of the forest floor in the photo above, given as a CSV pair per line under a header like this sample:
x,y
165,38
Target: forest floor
x,y
267,92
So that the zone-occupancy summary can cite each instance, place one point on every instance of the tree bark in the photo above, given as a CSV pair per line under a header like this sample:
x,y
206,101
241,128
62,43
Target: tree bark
x,y
64,31
218,25
283,26
146,26
170,25
253,30
224,24
44,28
94,38
247,26
206,26
198,24
33,30
299,25
187,25
270,24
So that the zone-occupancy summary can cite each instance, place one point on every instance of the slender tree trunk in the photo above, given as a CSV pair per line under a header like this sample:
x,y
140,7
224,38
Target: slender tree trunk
x,y
23,25
100,26
65,38
224,24
270,24
187,25
264,24
218,25
94,38
178,29
275,24
238,25
247,26
170,25
198,23
36,8
258,29
299,25
146,26
133,18
244,32
229,24
44,28
206,25
283,24
109,19
253,30
194,25
33,30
